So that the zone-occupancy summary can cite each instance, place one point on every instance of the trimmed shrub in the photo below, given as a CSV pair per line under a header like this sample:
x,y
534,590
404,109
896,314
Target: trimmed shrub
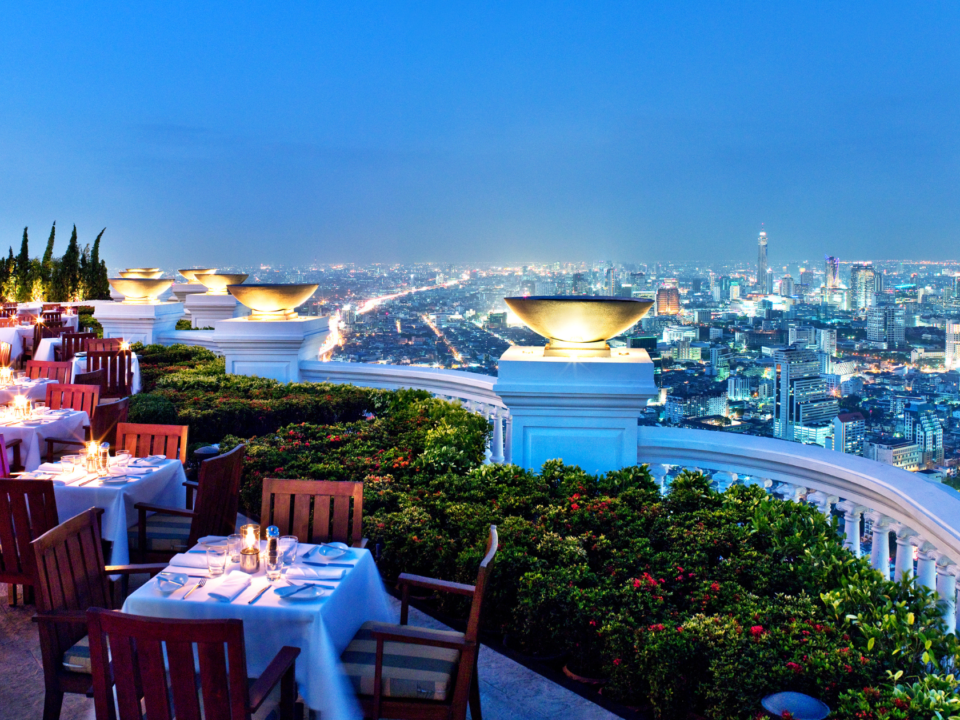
x,y
152,409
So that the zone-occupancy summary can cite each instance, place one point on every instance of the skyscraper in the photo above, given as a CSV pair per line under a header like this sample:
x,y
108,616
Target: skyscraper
x,y
800,394
863,285
668,299
885,324
768,282
951,355
923,426
848,433
827,341
786,286
832,272
762,262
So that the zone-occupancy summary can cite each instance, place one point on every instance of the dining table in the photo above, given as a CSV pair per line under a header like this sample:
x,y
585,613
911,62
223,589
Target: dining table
x,y
17,336
321,621
34,430
156,480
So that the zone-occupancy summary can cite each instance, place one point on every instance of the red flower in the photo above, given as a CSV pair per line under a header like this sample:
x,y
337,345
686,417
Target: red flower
x,y
616,661
796,668
756,630
657,627
574,507
715,586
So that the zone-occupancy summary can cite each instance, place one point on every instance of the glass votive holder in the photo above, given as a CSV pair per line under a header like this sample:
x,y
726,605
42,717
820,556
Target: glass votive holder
x,y
235,544
217,559
288,549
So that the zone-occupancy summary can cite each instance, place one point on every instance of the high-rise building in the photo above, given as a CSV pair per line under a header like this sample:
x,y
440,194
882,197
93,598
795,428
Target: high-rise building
x,y
951,354
786,286
956,286
849,431
922,425
863,286
880,281
831,272
885,324
734,289
668,299
806,278
803,335
762,262
827,341
800,394
768,283
611,283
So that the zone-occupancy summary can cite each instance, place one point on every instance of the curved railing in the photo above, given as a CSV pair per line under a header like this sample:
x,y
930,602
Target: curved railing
x,y
924,514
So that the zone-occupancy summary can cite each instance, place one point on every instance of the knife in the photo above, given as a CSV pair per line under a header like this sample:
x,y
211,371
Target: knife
x,y
257,596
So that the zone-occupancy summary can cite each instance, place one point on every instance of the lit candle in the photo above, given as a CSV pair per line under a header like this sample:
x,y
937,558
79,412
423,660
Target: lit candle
x,y
93,456
124,345
20,405
250,552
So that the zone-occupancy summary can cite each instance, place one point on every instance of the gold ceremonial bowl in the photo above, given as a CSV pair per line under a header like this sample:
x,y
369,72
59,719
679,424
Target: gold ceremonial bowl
x,y
142,273
272,302
216,283
191,274
577,322
140,290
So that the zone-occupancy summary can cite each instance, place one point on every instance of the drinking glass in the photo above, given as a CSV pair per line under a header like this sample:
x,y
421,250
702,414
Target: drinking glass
x,y
288,549
216,559
235,543
123,457
274,567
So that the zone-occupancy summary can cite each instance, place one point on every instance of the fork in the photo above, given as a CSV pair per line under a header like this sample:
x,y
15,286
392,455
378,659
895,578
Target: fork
x,y
202,582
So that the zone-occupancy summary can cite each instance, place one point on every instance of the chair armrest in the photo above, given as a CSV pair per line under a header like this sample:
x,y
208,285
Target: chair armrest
x,y
77,617
190,484
416,636
14,442
361,544
283,661
163,510
152,568
432,584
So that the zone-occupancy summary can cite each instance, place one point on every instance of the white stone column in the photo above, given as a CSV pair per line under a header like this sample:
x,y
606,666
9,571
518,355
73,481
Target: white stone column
x,y
851,525
823,501
659,473
724,480
207,308
903,564
496,440
947,591
134,322
508,440
880,550
270,348
927,565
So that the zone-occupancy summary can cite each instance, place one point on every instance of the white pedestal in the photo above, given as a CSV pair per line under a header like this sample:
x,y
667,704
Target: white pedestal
x,y
583,411
206,309
270,349
182,290
137,323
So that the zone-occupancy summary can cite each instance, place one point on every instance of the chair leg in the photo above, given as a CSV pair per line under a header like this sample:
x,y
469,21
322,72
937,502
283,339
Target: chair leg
x,y
475,697
12,595
52,703
288,695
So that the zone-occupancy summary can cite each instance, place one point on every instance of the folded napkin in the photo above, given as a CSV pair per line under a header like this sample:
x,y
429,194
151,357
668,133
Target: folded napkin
x,y
207,539
116,470
306,573
190,561
50,468
230,587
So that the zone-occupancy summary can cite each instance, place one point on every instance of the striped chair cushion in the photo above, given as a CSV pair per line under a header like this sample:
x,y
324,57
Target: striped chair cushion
x,y
77,658
409,671
165,533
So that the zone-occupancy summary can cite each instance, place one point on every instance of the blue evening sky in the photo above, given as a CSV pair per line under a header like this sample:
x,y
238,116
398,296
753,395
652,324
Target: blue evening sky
x,y
232,133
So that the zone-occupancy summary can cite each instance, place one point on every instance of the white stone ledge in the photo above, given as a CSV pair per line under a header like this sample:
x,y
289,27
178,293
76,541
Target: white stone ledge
x,y
199,338
929,507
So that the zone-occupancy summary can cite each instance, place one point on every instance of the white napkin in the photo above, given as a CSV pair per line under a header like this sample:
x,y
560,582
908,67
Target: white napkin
x,y
50,468
130,470
212,539
230,587
190,561
303,573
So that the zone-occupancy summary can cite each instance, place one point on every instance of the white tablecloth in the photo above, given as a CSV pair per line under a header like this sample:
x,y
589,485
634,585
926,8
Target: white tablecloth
x,y
164,486
16,336
321,628
67,426
33,389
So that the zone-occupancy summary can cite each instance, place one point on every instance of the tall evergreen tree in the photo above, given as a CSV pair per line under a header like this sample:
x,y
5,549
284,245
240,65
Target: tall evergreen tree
x,y
23,269
98,286
48,263
66,279
48,253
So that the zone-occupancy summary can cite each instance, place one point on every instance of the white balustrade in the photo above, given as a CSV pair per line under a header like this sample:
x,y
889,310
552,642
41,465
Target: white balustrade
x,y
851,525
903,563
880,546
947,591
927,565
496,439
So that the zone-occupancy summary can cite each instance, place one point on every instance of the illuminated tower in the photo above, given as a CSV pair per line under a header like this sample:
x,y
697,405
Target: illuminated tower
x,y
762,262
832,272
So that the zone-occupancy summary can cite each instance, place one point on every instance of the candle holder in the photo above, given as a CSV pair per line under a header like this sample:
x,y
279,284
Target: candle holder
x,y
6,376
250,548
93,457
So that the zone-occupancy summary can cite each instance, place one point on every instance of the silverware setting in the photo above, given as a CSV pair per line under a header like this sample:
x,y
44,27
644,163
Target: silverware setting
x,y
202,582
258,595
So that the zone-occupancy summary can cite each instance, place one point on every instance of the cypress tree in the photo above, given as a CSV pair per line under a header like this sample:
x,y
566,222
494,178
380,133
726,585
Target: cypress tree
x,y
98,287
23,269
48,262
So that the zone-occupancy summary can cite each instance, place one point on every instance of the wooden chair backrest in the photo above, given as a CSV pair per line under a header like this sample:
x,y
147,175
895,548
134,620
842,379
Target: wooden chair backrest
x,y
289,504
5,350
8,320
75,397
72,343
28,509
145,440
483,575
52,316
117,371
8,312
59,371
94,377
51,307
107,420
96,344
70,575
218,496
157,660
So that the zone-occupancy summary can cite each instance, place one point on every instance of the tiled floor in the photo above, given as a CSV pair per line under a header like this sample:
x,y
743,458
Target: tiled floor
x,y
508,690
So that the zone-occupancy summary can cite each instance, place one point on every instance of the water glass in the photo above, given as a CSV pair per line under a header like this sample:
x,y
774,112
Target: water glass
x,y
288,549
235,543
216,559
123,457
274,567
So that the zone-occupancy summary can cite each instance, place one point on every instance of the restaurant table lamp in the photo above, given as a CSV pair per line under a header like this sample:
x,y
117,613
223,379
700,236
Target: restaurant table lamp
x,y
250,548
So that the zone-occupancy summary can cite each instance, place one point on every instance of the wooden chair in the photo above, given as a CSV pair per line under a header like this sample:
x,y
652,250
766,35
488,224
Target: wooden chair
x,y
139,646
9,321
71,344
8,312
102,344
28,509
287,504
103,427
145,440
70,578
5,350
387,683
75,397
94,377
167,530
51,307
59,371
117,371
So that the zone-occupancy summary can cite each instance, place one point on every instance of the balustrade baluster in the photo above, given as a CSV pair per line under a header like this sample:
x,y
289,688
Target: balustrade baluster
x,y
880,547
508,441
903,564
851,525
946,579
496,442
927,565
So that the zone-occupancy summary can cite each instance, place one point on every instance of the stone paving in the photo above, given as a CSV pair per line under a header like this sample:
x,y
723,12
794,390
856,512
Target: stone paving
x,y
509,691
